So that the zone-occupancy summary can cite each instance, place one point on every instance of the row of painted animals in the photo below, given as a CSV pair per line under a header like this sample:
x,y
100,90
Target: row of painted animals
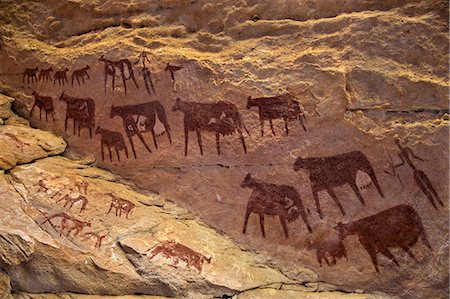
x,y
396,227
33,75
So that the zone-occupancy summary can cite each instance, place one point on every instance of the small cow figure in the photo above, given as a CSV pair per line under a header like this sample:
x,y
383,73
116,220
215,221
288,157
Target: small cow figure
x,y
43,103
111,139
177,251
44,75
61,76
80,74
399,226
30,74
120,205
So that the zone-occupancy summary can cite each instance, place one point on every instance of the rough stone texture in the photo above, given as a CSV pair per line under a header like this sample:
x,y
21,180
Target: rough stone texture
x,y
366,73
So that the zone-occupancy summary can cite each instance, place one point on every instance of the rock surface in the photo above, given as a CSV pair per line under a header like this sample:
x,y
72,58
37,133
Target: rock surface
x,y
370,78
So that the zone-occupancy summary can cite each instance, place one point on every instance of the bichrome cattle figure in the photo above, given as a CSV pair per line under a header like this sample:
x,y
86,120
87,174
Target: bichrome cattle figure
x,y
176,251
81,110
43,103
111,139
120,68
140,118
283,106
120,205
30,74
61,76
399,226
325,173
69,222
329,250
222,118
270,199
44,75
80,74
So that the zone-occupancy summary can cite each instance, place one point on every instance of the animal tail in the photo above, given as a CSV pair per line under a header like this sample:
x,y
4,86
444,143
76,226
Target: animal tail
x,y
161,114
292,193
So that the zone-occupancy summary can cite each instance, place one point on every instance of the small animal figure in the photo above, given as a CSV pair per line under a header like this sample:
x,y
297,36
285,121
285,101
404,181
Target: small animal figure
x,y
30,74
283,106
69,222
120,68
399,226
325,249
111,139
222,118
61,76
81,110
73,200
82,186
42,186
325,173
80,74
96,237
272,199
176,251
43,103
172,69
120,204
45,76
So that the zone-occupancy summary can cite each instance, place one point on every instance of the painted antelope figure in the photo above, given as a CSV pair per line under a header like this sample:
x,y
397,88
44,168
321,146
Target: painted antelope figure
x,y
80,74
120,204
146,74
222,118
325,173
176,251
43,103
118,68
73,200
30,74
69,222
111,139
283,106
271,199
141,118
45,75
399,226
61,76
96,237
81,110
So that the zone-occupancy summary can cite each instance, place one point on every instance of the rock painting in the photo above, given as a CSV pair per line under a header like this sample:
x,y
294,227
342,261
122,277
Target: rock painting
x,y
406,154
176,251
325,173
399,226
111,139
80,74
222,118
43,103
61,76
98,238
30,74
146,74
120,68
328,250
283,106
68,222
73,200
45,75
148,113
172,69
82,186
81,110
120,205
271,199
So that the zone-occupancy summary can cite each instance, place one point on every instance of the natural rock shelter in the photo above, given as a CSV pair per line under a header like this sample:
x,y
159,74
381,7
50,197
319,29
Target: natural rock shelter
x,y
224,149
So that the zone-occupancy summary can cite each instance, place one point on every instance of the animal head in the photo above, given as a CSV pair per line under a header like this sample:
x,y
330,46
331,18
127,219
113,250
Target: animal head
x,y
102,58
177,106
299,163
97,131
34,93
63,97
87,67
246,181
167,67
342,230
65,70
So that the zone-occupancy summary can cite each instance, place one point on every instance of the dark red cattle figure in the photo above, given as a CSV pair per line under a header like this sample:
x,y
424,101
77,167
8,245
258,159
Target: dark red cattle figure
x,y
43,103
399,226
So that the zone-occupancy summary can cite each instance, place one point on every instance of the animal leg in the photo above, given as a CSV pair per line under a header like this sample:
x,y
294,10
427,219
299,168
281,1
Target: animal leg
x,y
373,256
143,141
333,195
126,151
124,82
130,138
271,127
154,138
385,251
242,140
117,152
358,194
110,208
199,138
261,223
40,113
113,82
218,143
286,126
106,76
110,155
31,111
261,121
283,223
316,200
186,138
247,215
46,116
103,154
375,182
319,260
406,249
